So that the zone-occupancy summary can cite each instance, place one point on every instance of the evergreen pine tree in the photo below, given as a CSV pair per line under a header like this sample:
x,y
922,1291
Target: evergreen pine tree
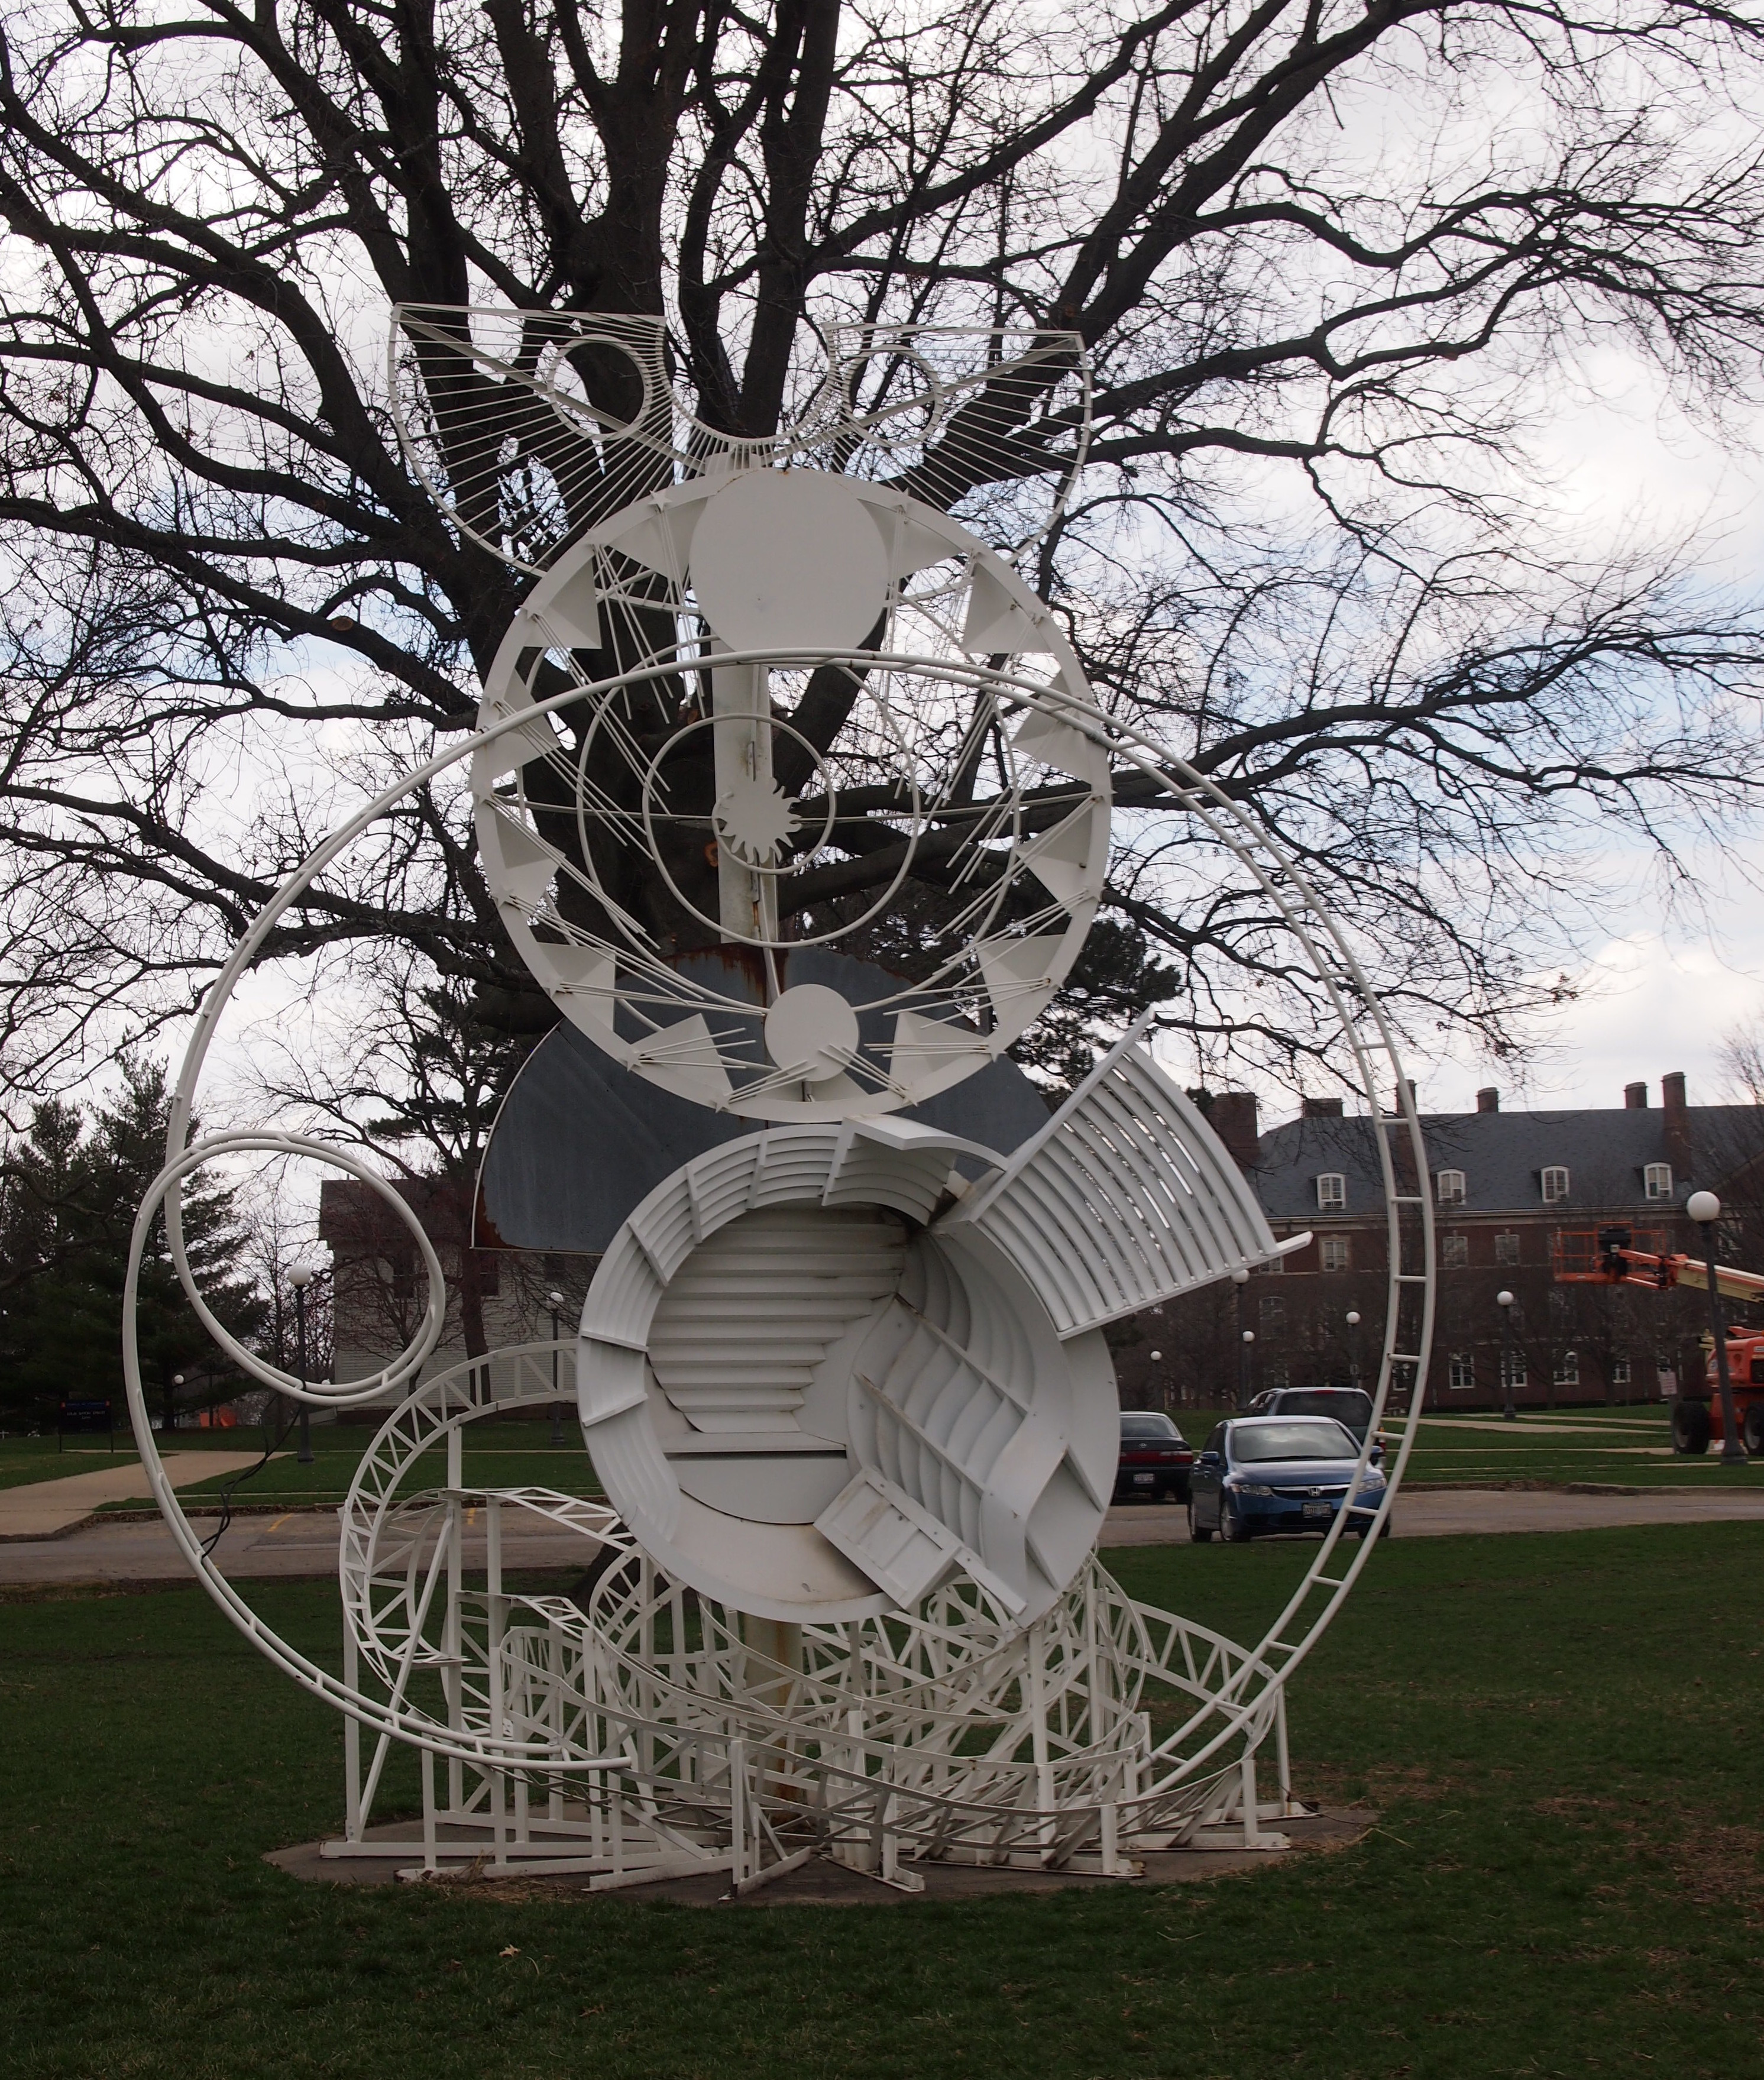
x,y
69,1205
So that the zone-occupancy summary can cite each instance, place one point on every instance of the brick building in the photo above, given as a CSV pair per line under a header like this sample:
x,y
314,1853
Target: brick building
x,y
1509,1190
379,1288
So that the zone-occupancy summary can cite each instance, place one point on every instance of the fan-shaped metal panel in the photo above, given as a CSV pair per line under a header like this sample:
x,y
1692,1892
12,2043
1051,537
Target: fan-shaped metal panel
x,y
1127,1198
528,426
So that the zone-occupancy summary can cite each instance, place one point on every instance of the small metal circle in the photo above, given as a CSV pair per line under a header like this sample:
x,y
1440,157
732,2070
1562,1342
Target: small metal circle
x,y
812,1032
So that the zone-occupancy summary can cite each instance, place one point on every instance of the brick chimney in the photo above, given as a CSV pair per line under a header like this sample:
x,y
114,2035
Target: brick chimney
x,y
1677,1113
1232,1117
1488,1099
1635,1095
1320,1107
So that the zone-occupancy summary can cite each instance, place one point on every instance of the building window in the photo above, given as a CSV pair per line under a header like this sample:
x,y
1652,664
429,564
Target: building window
x,y
1513,1371
1332,1193
1462,1372
1271,1312
1619,1372
1567,1370
1454,1252
1657,1180
1449,1186
1555,1183
1334,1253
1506,1247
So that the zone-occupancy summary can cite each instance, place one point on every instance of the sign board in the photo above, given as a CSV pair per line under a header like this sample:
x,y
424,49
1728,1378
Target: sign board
x,y
81,1417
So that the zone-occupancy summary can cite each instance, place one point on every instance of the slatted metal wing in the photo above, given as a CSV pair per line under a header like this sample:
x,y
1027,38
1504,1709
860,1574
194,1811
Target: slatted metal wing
x,y
1127,1197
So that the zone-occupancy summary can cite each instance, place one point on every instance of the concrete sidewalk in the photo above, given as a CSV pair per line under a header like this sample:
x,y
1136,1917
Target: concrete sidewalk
x,y
41,1509
302,1543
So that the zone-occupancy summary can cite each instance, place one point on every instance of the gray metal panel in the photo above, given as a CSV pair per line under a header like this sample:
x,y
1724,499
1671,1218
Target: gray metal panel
x,y
1604,1151
580,1141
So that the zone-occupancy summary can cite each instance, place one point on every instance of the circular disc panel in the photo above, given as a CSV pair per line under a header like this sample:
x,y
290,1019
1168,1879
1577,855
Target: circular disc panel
x,y
788,560
810,1406
811,1031
695,840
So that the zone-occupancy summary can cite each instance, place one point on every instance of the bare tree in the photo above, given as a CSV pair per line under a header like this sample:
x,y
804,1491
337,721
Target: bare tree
x,y
1740,1058
1330,261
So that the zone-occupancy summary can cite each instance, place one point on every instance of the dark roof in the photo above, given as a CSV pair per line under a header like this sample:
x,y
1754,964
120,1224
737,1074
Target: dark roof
x,y
1502,1155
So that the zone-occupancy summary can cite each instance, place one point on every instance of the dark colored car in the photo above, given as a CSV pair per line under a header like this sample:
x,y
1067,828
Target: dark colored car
x,y
1351,1406
1155,1459
1274,1473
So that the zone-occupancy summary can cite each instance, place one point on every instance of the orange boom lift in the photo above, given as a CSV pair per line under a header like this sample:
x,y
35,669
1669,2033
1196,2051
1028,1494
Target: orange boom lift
x,y
1609,1258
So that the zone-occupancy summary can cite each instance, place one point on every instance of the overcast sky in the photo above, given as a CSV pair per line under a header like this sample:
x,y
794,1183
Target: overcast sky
x,y
1661,984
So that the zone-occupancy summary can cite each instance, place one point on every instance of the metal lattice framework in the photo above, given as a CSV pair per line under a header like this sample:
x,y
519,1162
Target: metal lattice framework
x,y
642,1732
842,1379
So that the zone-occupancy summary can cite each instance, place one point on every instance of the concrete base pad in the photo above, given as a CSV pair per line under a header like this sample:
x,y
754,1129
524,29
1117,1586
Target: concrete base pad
x,y
819,1882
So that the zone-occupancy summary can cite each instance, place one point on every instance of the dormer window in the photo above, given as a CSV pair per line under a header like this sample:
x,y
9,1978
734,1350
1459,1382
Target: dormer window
x,y
1332,1193
1448,1187
1555,1183
1657,1180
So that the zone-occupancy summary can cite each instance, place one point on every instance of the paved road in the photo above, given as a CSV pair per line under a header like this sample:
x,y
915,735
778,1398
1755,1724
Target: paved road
x,y
304,1543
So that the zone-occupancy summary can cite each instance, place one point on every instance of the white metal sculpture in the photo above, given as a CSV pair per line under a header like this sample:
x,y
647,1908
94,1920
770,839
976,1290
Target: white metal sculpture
x,y
743,598
843,1378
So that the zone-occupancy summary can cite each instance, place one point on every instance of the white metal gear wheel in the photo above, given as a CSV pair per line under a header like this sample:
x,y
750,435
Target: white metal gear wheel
x,y
829,669
809,1406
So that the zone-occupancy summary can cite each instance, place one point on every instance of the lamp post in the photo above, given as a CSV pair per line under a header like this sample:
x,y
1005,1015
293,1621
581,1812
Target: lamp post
x,y
299,1278
1504,1301
171,1401
1240,1280
555,1301
1705,1209
1163,1398
1356,1367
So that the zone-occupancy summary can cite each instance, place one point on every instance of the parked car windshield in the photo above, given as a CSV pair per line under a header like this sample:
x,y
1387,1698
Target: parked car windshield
x,y
1345,1404
1147,1426
1251,1443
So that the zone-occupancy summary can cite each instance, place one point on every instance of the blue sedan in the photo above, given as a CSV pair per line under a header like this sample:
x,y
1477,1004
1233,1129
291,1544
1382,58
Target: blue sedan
x,y
1268,1473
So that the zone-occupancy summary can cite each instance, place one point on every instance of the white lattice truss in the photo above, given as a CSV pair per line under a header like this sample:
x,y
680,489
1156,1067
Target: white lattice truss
x,y
631,1732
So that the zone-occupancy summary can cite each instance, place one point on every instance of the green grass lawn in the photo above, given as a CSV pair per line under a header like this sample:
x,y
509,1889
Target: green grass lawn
x,y
1624,1447
26,1460
502,1455
1567,1879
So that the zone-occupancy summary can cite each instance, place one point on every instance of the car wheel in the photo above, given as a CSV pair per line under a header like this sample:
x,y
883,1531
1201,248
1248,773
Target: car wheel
x,y
1198,1533
1234,1524
1181,1494
1752,1429
1691,1427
